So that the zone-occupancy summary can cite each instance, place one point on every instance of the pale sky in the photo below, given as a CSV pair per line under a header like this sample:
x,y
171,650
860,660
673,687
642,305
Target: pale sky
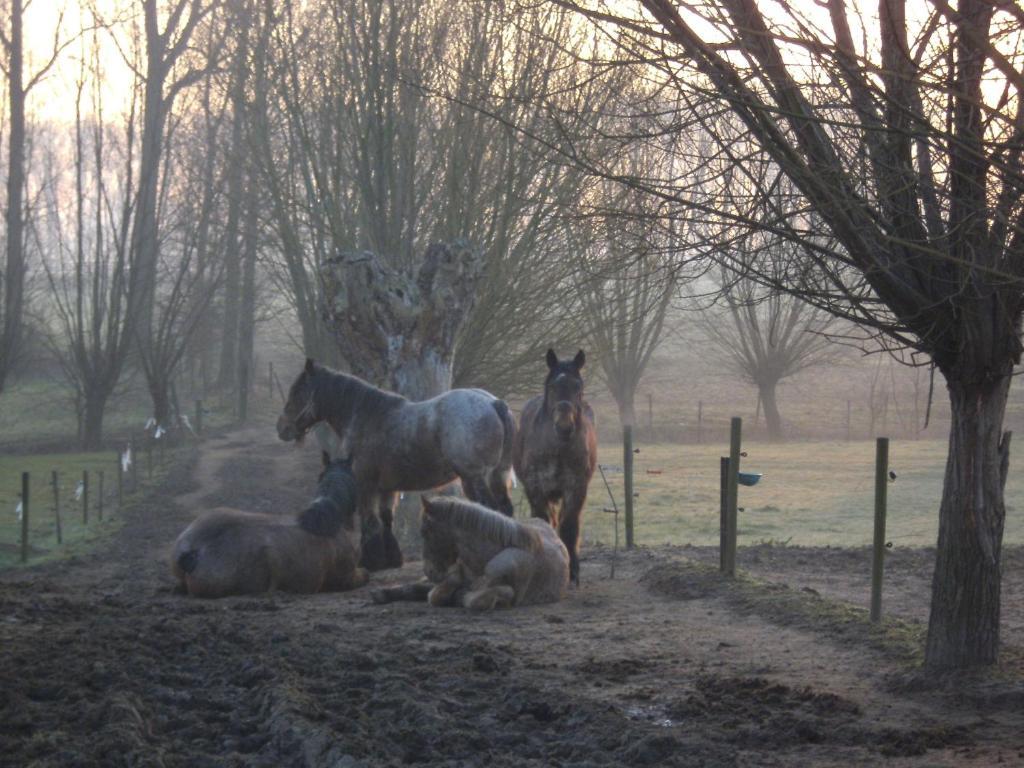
x,y
53,99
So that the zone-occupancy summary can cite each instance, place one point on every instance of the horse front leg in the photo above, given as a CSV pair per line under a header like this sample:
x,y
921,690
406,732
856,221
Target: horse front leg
x,y
372,554
391,553
569,531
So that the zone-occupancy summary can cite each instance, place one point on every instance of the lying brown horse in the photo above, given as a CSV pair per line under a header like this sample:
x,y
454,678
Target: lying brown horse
x,y
555,452
400,445
478,559
230,552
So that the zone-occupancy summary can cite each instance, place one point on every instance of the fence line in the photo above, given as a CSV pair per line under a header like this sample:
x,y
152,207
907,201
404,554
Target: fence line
x,y
99,499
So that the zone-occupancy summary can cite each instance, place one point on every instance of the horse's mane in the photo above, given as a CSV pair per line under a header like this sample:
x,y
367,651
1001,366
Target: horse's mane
x,y
334,505
339,395
482,522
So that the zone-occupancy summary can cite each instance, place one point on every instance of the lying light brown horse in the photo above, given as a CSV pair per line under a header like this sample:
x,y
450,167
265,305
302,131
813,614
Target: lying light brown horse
x,y
230,552
479,559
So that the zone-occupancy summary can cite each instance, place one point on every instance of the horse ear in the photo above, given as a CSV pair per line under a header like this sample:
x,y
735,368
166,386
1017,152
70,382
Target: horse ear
x,y
579,360
552,358
310,365
424,504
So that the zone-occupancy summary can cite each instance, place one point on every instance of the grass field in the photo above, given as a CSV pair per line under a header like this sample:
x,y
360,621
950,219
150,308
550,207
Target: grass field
x,y
42,523
812,494
41,411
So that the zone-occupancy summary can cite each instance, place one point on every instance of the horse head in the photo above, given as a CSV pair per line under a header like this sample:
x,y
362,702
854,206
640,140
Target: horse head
x,y
439,550
563,393
299,413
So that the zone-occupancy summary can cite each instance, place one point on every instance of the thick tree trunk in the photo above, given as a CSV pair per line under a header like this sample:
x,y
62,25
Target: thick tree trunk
x,y
92,421
397,329
626,402
12,275
772,417
963,629
161,396
247,309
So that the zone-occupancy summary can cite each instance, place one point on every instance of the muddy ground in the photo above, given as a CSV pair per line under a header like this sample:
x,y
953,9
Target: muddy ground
x,y
666,664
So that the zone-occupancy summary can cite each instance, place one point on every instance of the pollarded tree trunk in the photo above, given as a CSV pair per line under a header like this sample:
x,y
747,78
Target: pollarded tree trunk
x,y
161,396
92,420
398,329
963,629
626,403
772,417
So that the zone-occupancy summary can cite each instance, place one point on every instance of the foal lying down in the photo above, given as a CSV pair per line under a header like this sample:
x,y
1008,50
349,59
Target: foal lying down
x,y
229,552
479,559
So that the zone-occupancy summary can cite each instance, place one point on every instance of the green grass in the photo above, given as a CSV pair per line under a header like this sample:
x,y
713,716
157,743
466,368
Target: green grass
x,y
41,411
76,535
812,494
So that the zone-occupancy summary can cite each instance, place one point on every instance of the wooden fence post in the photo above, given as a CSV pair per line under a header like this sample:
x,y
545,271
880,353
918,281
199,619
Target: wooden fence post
x,y
732,489
199,417
270,380
878,549
120,481
149,458
85,496
627,471
847,421
243,392
135,464
99,499
24,516
700,421
650,416
723,511
56,505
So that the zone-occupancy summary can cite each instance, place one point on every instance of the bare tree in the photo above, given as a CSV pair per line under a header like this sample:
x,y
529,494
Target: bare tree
x,y
378,143
915,168
169,67
88,244
13,274
629,265
767,335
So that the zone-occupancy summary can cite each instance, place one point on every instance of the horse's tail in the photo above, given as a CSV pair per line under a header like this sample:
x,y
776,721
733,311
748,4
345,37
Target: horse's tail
x,y
501,475
321,518
509,425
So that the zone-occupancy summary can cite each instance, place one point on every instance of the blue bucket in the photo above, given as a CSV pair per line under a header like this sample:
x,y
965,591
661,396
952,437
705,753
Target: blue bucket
x,y
748,478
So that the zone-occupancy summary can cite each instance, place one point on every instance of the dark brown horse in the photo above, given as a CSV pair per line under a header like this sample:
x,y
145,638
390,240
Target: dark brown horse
x,y
399,445
230,552
555,452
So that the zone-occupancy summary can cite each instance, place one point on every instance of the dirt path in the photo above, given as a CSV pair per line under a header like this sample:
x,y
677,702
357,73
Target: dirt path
x,y
100,664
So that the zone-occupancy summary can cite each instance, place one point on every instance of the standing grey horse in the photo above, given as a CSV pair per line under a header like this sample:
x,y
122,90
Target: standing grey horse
x,y
400,445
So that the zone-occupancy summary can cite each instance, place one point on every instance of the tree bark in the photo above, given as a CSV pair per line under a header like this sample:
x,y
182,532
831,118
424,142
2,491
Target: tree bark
x,y
12,277
626,402
963,629
397,329
772,417
92,420
247,310
160,394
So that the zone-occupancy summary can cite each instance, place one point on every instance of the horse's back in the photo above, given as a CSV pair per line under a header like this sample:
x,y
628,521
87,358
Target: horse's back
x,y
471,429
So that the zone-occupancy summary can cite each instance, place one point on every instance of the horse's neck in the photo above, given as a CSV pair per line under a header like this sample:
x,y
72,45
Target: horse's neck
x,y
348,398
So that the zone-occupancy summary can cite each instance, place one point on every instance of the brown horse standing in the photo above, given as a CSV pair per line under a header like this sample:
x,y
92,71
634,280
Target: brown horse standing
x,y
555,452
